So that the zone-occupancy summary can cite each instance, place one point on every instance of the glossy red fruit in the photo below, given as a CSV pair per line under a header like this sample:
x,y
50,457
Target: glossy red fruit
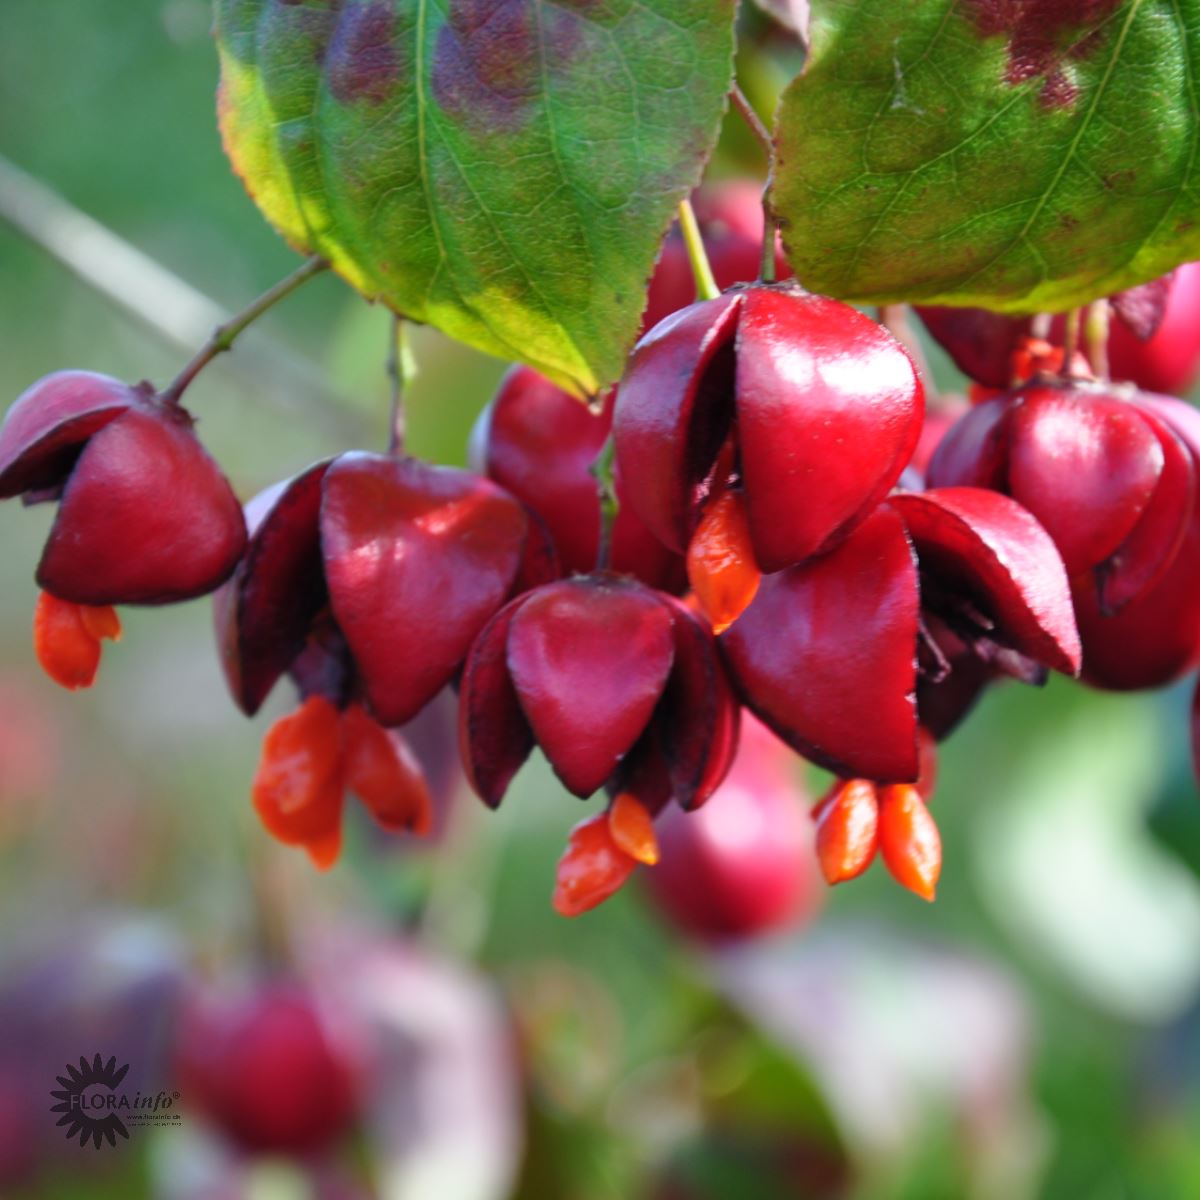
x,y
1154,336
1155,637
980,343
830,652
396,565
744,865
539,443
268,1070
1109,480
602,673
1169,359
824,406
145,515
730,216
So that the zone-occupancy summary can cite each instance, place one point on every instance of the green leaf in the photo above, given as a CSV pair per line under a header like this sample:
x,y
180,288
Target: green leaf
x,y
502,169
1020,156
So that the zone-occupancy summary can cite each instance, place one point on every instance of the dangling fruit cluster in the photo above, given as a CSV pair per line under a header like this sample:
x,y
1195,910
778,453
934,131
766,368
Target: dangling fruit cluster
x,y
749,523
1111,471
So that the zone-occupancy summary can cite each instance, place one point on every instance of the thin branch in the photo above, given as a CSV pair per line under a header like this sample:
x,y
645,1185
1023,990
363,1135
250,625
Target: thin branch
x,y
224,336
763,136
170,307
757,127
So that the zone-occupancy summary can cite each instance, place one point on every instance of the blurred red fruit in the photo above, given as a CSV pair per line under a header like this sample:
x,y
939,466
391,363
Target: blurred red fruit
x,y
1167,361
265,1067
743,865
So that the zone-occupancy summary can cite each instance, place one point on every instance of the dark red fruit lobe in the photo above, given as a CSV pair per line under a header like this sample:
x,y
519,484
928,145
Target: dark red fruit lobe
x,y
826,654
985,546
830,653
620,685
1106,477
824,405
264,613
417,559
45,429
1155,637
494,735
589,660
146,517
539,443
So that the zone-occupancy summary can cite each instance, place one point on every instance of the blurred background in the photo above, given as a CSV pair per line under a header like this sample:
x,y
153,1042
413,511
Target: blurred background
x,y
419,1023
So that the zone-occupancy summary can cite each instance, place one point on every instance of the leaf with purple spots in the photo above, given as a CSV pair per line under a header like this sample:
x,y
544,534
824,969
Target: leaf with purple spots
x,y
1018,155
502,169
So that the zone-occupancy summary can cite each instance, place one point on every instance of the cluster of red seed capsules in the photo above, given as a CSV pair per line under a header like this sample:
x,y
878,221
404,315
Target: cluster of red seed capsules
x,y
775,549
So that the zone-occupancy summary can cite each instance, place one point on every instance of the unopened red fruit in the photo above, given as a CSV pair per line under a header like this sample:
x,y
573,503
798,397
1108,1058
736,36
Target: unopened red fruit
x,y
540,443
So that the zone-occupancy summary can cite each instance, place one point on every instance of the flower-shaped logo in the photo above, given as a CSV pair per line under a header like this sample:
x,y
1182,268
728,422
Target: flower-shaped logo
x,y
88,1100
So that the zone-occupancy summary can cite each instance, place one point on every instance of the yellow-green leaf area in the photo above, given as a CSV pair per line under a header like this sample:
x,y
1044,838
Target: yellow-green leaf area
x,y
1022,155
502,169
